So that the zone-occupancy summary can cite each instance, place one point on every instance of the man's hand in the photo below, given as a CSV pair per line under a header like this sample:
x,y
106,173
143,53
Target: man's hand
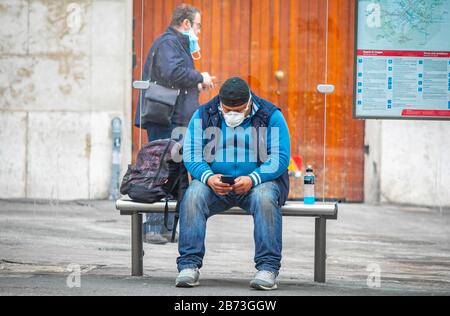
x,y
218,186
208,82
242,185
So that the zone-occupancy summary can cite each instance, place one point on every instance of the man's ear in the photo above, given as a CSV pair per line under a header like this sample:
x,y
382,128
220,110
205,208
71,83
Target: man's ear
x,y
186,24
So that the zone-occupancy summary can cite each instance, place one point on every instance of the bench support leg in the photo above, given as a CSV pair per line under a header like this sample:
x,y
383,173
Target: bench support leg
x,y
320,250
137,251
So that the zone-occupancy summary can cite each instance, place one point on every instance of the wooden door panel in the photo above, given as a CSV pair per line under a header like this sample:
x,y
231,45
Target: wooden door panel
x,y
253,39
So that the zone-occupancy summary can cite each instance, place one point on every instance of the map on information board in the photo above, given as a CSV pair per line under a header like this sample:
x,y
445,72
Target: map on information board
x,y
402,59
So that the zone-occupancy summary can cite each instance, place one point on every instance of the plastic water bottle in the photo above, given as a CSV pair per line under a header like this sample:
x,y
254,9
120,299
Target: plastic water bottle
x,y
309,181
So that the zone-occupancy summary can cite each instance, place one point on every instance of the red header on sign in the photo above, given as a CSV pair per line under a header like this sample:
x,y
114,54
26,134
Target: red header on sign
x,y
402,53
431,113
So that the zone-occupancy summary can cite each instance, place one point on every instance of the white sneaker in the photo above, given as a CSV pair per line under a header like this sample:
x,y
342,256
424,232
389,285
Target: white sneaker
x,y
188,278
264,280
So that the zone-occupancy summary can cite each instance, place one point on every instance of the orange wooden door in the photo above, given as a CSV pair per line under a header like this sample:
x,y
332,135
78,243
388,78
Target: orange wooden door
x,y
256,38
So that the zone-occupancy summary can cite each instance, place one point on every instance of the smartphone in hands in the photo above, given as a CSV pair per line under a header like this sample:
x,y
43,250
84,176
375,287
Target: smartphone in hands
x,y
228,180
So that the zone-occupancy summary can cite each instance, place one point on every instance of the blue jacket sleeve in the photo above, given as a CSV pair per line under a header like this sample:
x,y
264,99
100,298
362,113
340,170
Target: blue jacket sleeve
x,y
171,65
278,149
193,155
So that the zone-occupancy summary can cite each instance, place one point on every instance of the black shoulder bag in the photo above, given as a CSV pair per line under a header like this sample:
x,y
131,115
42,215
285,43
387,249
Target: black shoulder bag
x,y
159,101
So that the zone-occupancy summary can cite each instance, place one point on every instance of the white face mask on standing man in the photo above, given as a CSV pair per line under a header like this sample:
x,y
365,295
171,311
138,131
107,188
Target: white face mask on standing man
x,y
193,44
192,33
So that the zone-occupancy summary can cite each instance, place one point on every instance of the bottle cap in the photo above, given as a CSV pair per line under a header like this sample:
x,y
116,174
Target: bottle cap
x,y
309,168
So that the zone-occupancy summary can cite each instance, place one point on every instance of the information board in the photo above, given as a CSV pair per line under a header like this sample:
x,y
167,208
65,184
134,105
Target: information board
x,y
402,62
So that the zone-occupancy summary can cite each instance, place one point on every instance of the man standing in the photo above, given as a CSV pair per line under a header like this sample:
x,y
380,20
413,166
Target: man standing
x,y
173,66
252,148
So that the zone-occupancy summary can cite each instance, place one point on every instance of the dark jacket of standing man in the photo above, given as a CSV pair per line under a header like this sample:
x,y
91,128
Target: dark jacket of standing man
x,y
173,66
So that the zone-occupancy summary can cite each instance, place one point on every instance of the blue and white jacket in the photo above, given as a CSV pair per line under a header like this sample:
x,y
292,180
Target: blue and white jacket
x,y
258,148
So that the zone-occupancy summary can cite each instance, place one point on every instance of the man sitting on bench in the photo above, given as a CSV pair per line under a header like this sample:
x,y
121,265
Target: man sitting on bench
x,y
245,164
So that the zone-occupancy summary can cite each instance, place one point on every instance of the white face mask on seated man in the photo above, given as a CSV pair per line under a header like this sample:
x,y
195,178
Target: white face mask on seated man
x,y
233,118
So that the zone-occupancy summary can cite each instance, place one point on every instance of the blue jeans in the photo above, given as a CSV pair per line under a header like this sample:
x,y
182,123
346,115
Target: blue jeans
x,y
154,222
200,202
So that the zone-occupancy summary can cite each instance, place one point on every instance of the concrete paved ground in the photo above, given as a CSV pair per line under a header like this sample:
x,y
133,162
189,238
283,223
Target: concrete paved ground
x,y
38,241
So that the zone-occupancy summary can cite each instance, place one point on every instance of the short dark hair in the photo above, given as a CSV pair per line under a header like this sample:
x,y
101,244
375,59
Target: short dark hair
x,y
183,12
234,92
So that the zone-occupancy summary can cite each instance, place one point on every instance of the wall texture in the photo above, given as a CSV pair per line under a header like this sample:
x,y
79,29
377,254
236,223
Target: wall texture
x,y
408,162
65,73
